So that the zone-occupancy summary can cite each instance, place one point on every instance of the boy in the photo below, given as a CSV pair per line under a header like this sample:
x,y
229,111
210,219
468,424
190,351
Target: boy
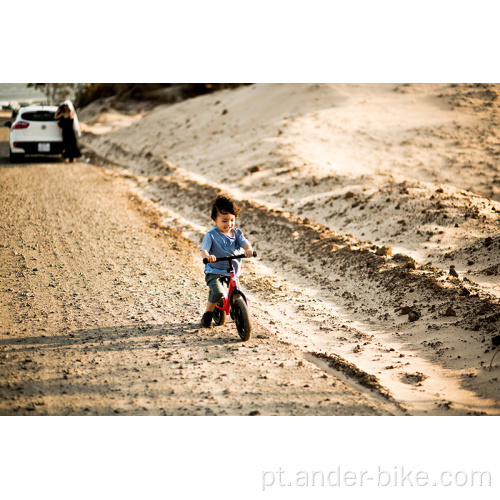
x,y
221,241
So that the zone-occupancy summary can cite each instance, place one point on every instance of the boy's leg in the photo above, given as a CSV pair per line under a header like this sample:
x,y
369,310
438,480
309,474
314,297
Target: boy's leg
x,y
216,290
214,296
210,306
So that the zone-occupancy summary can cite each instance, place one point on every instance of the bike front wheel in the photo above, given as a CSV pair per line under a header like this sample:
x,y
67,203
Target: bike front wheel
x,y
242,318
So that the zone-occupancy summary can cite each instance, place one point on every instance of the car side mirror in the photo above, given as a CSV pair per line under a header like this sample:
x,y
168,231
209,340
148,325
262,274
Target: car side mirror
x,y
7,124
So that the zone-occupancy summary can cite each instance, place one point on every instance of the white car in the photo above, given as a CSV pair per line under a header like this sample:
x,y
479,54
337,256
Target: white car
x,y
35,132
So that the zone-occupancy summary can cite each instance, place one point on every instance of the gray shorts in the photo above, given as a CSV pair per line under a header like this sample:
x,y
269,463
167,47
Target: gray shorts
x,y
215,285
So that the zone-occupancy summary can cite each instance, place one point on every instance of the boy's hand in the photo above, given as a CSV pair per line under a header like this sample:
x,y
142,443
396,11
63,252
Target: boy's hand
x,y
206,255
249,252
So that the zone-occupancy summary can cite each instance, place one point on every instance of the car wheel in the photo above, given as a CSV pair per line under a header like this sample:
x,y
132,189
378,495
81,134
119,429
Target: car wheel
x,y
15,157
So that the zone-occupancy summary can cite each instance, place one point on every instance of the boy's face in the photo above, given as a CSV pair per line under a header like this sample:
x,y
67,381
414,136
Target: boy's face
x,y
225,222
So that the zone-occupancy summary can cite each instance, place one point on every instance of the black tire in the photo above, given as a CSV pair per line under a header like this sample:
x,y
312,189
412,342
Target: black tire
x,y
242,318
219,315
15,157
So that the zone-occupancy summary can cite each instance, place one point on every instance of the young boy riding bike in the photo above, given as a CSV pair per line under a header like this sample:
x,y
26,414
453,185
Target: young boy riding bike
x,y
223,240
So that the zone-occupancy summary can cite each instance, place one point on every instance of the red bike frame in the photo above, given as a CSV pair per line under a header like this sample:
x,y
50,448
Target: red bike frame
x,y
228,293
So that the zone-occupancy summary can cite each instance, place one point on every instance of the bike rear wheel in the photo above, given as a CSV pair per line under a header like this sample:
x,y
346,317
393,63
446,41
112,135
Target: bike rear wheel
x,y
242,318
219,314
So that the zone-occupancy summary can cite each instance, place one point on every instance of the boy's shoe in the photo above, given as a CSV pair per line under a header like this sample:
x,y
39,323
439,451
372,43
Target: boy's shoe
x,y
206,320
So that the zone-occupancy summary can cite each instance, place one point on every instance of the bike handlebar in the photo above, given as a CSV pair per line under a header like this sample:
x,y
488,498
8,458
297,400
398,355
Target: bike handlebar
x,y
231,257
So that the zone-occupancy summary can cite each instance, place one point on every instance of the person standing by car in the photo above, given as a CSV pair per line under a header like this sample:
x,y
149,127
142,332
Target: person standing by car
x,y
66,119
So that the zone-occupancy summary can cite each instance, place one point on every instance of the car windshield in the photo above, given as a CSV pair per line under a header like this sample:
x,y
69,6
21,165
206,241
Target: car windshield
x,y
38,116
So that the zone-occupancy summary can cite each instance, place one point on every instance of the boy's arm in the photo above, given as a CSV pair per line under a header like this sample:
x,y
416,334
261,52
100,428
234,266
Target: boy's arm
x,y
206,245
206,255
248,250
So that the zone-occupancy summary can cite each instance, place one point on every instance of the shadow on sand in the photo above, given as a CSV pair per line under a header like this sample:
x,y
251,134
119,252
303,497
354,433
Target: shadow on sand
x,y
126,337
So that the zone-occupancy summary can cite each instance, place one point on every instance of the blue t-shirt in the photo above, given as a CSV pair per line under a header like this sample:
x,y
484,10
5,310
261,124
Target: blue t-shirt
x,y
222,245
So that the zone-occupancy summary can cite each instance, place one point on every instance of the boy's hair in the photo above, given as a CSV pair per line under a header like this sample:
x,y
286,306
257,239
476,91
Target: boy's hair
x,y
224,204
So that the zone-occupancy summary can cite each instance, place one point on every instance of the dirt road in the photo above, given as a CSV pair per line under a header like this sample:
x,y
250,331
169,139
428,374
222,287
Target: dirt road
x,y
99,312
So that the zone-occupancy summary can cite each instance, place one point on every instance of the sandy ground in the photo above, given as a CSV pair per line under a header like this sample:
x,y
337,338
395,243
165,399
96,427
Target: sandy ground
x,y
99,310
358,199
